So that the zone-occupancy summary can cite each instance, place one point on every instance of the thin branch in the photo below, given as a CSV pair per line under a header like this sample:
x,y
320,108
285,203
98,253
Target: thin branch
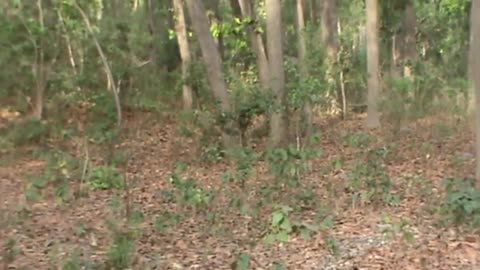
x,y
111,82
71,57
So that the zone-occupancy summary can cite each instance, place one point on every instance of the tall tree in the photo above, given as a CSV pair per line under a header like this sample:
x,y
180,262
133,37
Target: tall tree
x,y
256,41
302,66
474,53
279,120
42,68
329,37
329,27
409,24
212,60
182,38
404,41
373,115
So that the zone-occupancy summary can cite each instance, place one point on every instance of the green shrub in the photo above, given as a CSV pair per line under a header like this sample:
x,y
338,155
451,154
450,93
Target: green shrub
x,y
189,193
461,204
370,182
289,164
120,254
62,168
282,226
106,177
27,131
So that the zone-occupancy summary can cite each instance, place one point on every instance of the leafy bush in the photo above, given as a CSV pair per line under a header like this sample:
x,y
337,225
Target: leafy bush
x,y
61,169
289,164
281,226
165,220
461,204
120,254
245,159
106,177
73,261
359,139
370,181
242,262
187,191
27,131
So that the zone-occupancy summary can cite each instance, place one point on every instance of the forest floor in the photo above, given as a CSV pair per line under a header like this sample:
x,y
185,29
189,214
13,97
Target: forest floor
x,y
398,231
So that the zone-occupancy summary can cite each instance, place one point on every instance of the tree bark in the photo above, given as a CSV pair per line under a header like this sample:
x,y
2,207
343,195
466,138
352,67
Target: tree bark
x,y
404,49
182,38
329,27
474,53
329,38
302,49
279,120
409,24
236,9
41,70
212,9
373,115
256,41
212,60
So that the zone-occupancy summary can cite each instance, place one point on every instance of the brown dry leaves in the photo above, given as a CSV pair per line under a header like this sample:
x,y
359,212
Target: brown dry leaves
x,y
197,243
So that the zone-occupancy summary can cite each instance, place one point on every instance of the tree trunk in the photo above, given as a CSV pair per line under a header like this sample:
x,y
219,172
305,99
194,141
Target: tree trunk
x,y
279,120
329,38
182,39
329,27
212,60
212,8
236,9
153,28
256,41
404,49
302,49
373,115
474,53
409,24
41,69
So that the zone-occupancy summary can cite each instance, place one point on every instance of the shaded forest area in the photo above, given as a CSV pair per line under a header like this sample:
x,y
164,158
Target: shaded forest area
x,y
239,134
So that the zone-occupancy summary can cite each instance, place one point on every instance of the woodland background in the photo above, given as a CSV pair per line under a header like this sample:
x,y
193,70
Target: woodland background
x,y
239,134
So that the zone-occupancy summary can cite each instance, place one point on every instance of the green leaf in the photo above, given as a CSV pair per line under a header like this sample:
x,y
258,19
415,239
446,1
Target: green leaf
x,y
312,227
305,233
277,218
243,262
269,238
283,236
286,225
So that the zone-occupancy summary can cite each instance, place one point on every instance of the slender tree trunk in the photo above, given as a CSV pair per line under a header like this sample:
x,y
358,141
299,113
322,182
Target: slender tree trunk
x,y
213,11
236,9
470,96
395,66
182,38
474,53
212,60
341,78
42,68
373,115
313,13
329,37
111,85
279,120
404,49
153,30
256,41
409,24
329,27
302,49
